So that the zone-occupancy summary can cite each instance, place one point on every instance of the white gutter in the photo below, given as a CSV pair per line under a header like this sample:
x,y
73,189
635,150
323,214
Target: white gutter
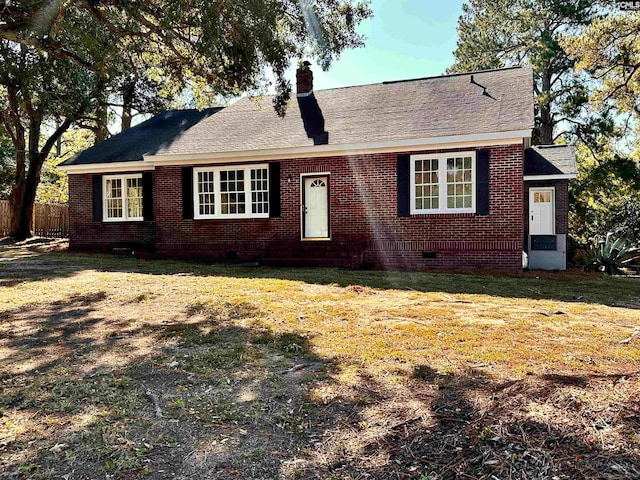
x,y
564,176
112,167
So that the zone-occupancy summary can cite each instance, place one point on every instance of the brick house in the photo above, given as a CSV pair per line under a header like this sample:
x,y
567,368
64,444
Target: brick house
x,y
433,173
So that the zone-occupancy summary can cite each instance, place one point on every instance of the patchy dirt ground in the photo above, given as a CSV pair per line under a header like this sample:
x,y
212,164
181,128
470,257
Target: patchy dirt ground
x,y
125,369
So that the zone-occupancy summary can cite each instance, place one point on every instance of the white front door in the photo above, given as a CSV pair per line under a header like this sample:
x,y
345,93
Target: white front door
x,y
541,211
315,207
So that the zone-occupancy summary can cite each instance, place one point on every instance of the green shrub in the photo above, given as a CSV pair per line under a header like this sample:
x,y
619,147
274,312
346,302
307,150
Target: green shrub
x,y
614,254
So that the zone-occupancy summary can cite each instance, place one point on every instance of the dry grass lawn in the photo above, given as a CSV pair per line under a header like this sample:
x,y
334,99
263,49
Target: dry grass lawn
x,y
119,368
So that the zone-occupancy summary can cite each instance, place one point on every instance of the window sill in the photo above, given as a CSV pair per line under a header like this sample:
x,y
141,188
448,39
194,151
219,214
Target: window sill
x,y
235,217
122,220
426,213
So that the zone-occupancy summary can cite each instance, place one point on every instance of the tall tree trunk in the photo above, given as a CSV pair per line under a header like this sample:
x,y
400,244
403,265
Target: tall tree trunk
x,y
29,197
128,92
546,117
16,198
23,193
102,132
22,203
15,128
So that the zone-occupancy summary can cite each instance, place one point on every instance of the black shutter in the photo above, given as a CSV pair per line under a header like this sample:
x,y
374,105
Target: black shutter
x,y
404,184
187,193
482,182
275,209
97,198
147,196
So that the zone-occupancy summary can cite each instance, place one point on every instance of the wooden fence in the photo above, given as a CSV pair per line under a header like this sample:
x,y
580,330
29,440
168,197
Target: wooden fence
x,y
48,220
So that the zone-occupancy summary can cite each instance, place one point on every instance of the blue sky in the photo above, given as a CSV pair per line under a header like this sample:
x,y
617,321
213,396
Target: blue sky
x,y
404,39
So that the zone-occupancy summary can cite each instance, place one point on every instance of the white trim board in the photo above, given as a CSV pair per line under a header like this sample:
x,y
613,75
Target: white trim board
x,y
566,176
115,167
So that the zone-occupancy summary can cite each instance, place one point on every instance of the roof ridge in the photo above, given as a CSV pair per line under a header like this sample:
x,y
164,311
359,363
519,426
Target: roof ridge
x,y
454,74
390,82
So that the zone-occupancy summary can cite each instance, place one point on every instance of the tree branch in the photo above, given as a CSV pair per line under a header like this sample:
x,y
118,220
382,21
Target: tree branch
x,y
52,48
51,141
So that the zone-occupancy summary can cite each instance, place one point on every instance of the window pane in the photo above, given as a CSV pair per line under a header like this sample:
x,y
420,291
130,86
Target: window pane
x,y
113,194
426,184
134,197
259,190
114,188
459,182
206,190
232,183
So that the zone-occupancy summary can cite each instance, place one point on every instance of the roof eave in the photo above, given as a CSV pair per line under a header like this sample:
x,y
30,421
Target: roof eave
x,y
562,176
111,167
478,140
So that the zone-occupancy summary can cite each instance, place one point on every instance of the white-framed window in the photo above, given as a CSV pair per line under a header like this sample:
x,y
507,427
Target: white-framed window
x,y
443,183
231,191
122,198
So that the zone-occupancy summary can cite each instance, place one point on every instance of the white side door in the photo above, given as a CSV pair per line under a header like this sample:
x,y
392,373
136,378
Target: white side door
x,y
315,207
542,218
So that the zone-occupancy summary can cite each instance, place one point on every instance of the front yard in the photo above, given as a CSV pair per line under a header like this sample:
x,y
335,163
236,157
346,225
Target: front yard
x,y
113,367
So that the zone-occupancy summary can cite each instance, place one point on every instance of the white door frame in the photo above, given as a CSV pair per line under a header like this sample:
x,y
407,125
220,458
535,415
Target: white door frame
x,y
303,176
533,190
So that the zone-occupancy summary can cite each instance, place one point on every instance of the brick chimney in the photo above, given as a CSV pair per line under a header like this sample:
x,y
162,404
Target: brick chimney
x,y
304,80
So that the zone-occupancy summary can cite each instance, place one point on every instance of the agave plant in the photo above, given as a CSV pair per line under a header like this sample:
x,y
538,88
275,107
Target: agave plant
x,y
614,254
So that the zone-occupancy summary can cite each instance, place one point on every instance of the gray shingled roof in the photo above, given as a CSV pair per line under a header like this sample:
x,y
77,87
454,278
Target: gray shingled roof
x,y
394,111
148,137
550,160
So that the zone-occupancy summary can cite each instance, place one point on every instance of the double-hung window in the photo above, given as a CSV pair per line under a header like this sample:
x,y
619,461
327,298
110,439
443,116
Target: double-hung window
x,y
443,183
122,198
232,191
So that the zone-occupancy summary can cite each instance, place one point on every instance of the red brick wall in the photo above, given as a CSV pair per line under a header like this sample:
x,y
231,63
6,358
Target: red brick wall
x,y
85,234
364,220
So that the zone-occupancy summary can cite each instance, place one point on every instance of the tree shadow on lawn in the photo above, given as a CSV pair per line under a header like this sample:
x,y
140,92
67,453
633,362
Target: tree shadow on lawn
x,y
609,291
209,394
470,425
195,395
